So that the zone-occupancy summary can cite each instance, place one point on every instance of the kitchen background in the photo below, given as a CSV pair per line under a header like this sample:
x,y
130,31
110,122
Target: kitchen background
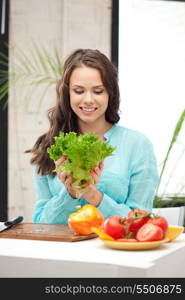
x,y
151,77
69,24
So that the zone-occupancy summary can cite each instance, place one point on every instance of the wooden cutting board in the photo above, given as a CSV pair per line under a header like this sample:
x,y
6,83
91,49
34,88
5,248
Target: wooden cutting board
x,y
47,232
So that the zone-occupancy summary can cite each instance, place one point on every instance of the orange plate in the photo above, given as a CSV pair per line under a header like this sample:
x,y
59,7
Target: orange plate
x,y
133,246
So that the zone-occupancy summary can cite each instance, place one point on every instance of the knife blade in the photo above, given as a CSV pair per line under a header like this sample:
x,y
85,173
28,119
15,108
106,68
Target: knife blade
x,y
8,224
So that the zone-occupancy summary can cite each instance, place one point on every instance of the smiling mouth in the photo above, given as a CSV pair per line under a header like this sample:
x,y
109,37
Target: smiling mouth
x,y
88,109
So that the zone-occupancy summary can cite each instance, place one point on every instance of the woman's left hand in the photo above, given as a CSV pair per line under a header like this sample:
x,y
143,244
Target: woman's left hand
x,y
93,196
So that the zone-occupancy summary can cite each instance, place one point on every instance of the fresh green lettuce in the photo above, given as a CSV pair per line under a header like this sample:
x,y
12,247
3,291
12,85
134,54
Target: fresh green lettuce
x,y
83,152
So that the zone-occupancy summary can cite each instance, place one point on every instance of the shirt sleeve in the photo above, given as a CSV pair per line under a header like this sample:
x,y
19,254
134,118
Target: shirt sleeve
x,y
143,181
109,207
48,208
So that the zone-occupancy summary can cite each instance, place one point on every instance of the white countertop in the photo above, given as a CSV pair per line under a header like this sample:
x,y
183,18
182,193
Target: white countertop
x,y
90,258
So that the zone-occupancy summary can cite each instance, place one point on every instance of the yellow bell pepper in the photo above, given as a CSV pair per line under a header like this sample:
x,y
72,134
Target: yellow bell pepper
x,y
85,219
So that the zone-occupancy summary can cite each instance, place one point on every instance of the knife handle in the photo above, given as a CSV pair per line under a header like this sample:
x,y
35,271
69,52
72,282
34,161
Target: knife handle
x,y
14,222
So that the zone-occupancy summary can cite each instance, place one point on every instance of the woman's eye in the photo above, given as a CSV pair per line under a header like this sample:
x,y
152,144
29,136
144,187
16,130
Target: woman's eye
x,y
78,91
98,92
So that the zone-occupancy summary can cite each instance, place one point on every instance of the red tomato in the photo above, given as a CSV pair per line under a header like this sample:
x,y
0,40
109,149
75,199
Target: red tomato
x,y
127,240
149,232
138,218
114,227
159,221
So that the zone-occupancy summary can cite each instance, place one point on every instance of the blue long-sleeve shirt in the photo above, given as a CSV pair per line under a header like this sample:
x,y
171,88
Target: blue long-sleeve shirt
x,y
129,180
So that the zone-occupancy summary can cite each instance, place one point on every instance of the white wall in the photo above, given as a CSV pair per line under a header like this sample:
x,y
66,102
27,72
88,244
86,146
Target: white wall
x,y
152,78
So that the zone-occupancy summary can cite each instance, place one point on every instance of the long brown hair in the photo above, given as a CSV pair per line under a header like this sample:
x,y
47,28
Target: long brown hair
x,y
61,116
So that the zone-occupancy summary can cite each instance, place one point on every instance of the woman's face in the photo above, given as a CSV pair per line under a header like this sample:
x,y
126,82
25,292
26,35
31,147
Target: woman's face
x,y
88,96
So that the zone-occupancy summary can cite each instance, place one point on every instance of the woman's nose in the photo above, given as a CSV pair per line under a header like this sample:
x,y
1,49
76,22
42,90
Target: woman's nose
x,y
88,97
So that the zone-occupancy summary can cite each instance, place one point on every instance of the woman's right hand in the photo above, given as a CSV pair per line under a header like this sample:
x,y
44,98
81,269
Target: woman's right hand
x,y
64,177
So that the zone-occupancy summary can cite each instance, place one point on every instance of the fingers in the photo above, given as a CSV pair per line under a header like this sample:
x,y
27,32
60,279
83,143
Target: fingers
x,y
96,172
62,176
60,161
67,181
68,184
101,165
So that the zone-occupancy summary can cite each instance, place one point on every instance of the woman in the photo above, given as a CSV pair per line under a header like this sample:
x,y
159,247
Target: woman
x,y
88,101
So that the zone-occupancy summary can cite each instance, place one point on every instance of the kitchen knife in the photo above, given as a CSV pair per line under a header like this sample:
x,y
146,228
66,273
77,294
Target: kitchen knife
x,y
8,224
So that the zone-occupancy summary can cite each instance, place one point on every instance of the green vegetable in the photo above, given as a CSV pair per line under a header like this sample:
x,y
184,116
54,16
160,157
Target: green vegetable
x,y
83,152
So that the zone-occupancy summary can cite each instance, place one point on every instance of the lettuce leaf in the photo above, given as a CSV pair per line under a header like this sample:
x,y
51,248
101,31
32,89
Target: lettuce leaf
x,y
83,152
